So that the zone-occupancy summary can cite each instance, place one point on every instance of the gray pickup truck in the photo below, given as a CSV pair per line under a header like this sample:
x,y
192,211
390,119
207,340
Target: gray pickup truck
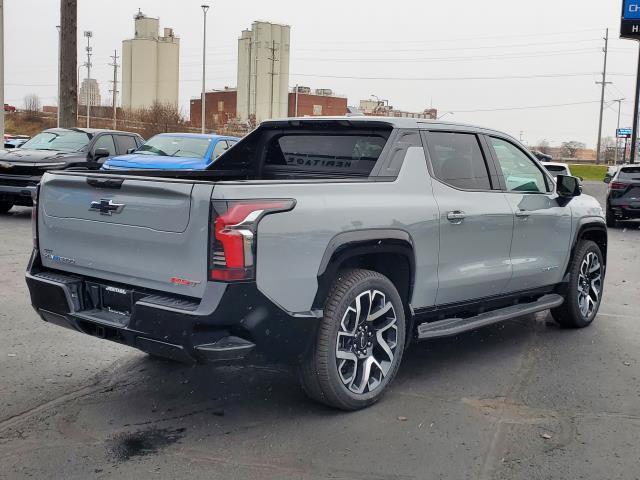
x,y
330,244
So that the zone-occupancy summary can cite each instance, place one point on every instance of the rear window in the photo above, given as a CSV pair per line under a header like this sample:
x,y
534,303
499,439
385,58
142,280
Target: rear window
x,y
348,155
629,173
555,168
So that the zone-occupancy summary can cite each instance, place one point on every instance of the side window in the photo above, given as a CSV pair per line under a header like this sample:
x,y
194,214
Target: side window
x,y
520,173
106,142
219,149
125,142
458,161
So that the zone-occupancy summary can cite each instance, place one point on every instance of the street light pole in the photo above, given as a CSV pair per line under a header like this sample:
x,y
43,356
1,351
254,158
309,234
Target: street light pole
x,y
620,100
87,96
205,9
2,70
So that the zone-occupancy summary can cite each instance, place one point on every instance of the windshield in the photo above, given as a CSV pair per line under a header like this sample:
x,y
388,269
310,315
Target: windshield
x,y
63,141
167,145
632,173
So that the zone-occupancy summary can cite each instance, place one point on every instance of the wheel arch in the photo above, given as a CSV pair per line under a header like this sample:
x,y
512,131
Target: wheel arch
x,y
589,229
387,251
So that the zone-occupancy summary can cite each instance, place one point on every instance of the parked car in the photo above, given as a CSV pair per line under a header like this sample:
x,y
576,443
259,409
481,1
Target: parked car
x,y
623,195
556,168
174,151
327,243
9,108
543,157
14,141
56,149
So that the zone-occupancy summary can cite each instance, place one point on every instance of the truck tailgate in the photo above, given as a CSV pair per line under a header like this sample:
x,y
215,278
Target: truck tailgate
x,y
143,232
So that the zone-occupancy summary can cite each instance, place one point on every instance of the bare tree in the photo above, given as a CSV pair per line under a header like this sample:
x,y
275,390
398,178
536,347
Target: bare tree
x,y
32,106
543,146
68,63
570,149
158,118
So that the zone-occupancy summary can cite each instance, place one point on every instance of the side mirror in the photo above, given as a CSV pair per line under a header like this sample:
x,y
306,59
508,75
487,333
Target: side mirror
x,y
130,151
568,187
607,179
99,153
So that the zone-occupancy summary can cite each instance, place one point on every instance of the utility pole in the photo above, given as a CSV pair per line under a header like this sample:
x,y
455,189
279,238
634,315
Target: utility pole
x,y
87,97
114,92
68,105
59,28
273,59
2,70
205,9
634,135
604,86
620,100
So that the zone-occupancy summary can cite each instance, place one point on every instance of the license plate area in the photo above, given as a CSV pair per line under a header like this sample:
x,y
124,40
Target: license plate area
x,y
116,300
112,304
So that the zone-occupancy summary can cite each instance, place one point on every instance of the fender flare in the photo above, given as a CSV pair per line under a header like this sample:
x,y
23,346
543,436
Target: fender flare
x,y
347,245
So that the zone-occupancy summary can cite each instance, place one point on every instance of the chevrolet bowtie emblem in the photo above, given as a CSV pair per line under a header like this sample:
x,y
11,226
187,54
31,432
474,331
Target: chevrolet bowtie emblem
x,y
107,207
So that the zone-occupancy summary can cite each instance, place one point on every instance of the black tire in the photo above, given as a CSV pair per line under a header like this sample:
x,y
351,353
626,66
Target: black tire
x,y
611,219
5,207
570,314
320,377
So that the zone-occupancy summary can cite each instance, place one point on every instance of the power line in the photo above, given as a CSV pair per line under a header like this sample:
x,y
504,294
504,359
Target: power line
x,y
435,79
531,107
448,49
503,56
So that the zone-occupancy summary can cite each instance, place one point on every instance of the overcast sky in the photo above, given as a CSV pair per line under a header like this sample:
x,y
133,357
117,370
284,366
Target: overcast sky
x,y
415,53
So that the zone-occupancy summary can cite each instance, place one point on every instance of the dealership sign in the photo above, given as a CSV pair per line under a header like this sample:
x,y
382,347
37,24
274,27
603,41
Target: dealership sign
x,y
624,133
630,27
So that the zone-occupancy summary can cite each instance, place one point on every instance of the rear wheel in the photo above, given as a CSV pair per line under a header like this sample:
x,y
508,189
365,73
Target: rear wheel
x,y
586,282
5,207
359,344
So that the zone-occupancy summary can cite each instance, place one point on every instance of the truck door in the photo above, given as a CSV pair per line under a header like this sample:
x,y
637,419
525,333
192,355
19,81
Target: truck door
x,y
542,224
476,221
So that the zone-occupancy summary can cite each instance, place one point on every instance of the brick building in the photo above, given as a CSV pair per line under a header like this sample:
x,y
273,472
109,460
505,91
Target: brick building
x,y
221,106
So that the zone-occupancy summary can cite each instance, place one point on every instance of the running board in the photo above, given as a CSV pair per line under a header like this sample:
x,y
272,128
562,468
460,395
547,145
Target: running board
x,y
453,326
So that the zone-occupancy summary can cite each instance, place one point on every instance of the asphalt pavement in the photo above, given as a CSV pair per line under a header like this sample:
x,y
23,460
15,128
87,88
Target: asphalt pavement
x,y
521,400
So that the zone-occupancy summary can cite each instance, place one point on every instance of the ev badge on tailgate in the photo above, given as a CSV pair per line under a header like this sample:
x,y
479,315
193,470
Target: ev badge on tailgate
x,y
107,207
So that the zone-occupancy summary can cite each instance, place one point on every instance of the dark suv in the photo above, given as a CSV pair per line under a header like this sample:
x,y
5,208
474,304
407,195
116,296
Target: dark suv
x,y
57,149
623,196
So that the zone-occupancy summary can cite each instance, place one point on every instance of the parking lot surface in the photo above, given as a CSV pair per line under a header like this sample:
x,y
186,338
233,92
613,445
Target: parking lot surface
x,y
521,400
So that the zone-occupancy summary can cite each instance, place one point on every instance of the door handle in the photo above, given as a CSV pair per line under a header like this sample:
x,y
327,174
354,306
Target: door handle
x,y
456,217
523,214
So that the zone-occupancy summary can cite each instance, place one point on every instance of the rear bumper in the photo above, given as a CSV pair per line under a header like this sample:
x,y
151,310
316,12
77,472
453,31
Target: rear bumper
x,y
18,189
231,323
624,209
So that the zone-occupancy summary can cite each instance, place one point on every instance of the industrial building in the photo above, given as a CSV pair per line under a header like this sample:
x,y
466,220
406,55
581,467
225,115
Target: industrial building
x,y
150,65
91,90
381,108
303,102
220,108
263,72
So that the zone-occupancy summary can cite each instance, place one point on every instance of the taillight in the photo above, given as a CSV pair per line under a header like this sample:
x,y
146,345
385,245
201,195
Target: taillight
x,y
617,186
233,236
34,217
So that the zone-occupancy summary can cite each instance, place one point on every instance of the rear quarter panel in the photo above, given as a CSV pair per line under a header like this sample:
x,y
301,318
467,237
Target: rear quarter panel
x,y
291,245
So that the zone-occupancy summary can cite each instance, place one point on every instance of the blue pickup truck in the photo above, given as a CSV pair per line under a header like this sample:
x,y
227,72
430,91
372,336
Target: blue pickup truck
x,y
174,151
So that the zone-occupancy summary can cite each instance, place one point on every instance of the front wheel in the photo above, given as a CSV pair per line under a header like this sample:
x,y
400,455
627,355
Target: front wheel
x,y
360,342
584,291
5,207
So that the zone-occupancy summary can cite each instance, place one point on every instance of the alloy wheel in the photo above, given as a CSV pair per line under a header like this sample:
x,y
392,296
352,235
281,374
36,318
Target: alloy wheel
x,y
367,342
589,284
